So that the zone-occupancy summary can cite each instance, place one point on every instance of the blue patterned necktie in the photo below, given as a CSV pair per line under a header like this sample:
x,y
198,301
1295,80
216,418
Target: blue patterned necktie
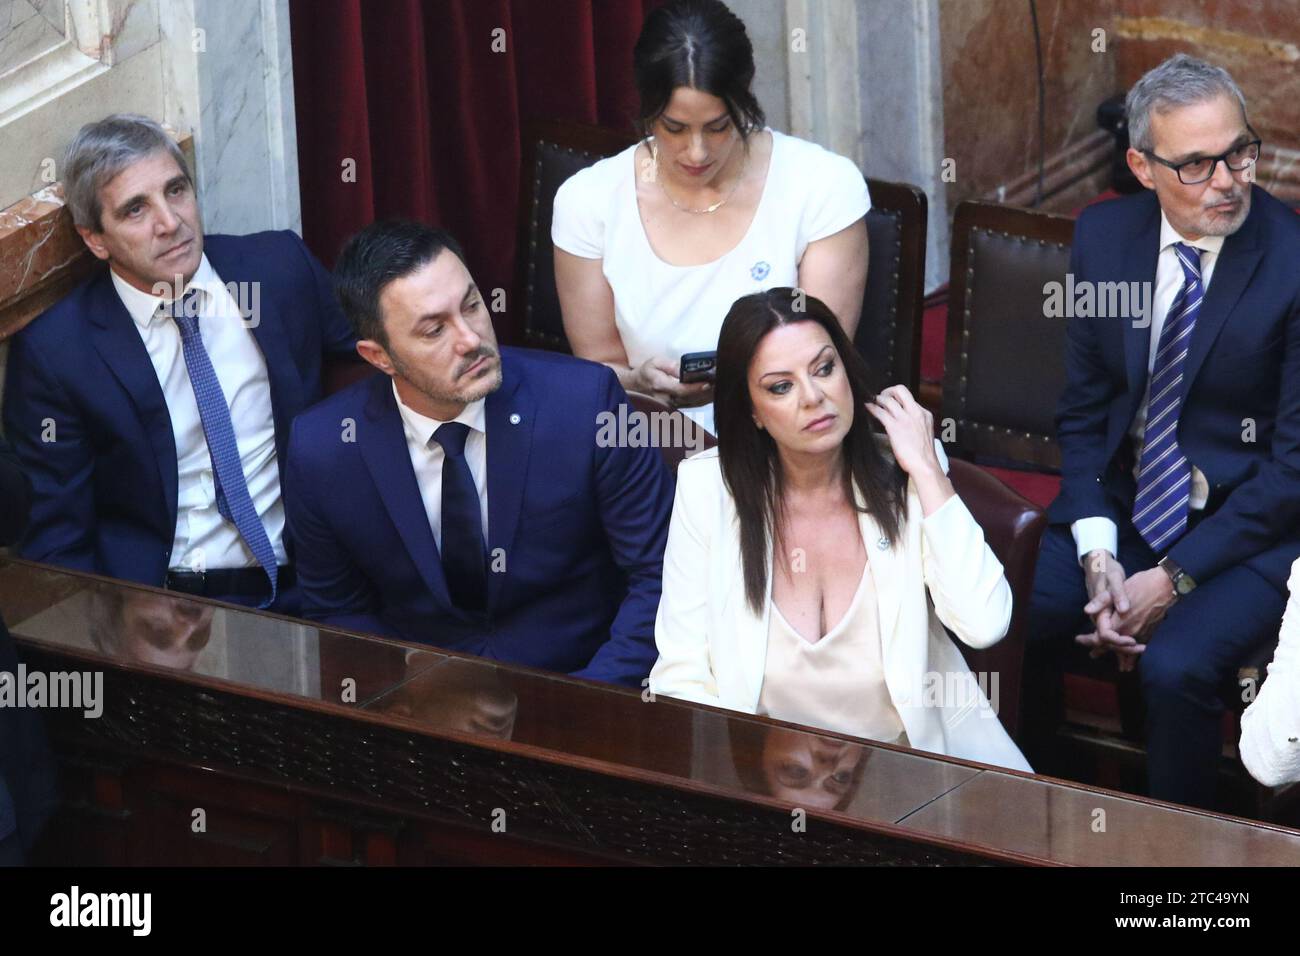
x,y
1164,475
233,500
464,561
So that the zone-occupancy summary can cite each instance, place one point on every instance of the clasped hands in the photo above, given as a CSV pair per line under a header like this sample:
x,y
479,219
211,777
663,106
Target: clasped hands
x,y
1124,610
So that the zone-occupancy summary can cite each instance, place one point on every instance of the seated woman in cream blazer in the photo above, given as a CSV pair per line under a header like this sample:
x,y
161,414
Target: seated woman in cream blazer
x,y
1270,727
809,574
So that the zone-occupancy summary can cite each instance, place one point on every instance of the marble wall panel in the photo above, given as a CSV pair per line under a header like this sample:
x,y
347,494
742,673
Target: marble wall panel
x,y
991,85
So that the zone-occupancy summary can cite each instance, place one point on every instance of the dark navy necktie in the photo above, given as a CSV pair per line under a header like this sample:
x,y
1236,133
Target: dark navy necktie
x,y
233,500
1164,476
464,556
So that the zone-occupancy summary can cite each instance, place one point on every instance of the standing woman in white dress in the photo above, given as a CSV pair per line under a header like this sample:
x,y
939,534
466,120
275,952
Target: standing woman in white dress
x,y
653,245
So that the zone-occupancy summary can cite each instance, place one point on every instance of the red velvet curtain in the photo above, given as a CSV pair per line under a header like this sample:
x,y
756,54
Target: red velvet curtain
x,y
422,100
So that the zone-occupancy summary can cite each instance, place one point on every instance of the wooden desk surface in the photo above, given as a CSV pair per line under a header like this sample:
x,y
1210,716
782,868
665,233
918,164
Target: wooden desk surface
x,y
423,734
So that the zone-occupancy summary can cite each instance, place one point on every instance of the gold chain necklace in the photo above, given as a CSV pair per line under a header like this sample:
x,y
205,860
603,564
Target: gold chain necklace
x,y
654,152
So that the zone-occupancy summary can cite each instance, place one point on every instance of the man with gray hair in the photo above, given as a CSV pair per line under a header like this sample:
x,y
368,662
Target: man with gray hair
x,y
1178,518
151,407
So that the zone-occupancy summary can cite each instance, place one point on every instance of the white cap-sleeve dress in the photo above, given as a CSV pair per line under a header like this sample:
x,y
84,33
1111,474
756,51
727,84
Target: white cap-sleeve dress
x,y
661,309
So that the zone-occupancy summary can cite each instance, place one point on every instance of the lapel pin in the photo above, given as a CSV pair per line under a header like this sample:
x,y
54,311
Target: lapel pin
x,y
514,418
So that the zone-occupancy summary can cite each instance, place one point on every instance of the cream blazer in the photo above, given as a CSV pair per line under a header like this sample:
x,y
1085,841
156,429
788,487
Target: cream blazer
x,y
1270,727
713,648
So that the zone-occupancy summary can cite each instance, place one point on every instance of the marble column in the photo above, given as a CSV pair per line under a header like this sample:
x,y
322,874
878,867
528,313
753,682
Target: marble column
x,y
233,64
862,79
901,79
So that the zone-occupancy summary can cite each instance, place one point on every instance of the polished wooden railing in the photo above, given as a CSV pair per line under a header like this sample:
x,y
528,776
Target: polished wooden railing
x,y
231,736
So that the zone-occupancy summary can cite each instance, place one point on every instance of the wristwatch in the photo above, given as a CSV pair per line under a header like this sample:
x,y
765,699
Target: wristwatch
x,y
1183,582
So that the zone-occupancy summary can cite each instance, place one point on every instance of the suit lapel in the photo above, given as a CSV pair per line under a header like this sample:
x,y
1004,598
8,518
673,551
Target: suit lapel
x,y
749,630
1141,268
118,342
383,448
510,414
1237,262
884,572
267,326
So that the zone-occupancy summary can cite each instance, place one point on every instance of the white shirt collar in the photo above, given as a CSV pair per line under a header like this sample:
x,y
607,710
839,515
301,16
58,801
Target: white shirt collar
x,y
1169,235
143,306
420,428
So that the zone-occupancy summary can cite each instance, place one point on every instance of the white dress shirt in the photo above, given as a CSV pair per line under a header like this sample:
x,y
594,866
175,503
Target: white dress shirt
x,y
1100,532
427,457
203,539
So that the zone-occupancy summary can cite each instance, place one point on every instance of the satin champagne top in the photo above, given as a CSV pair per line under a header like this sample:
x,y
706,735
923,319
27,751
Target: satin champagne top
x,y
836,683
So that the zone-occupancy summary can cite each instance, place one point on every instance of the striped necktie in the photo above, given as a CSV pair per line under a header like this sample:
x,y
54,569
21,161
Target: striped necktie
x,y
1164,475
233,500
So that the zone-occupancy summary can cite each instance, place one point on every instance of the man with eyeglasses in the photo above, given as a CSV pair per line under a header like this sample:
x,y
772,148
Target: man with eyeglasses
x,y
1170,543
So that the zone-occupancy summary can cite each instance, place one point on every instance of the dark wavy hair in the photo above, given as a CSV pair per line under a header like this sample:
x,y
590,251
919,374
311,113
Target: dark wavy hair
x,y
702,45
383,252
751,466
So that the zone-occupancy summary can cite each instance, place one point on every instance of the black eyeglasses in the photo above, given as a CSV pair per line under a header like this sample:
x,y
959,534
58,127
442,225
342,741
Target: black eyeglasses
x,y
1199,170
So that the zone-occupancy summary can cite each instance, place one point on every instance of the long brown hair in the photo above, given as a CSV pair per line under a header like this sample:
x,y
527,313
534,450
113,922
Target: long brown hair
x,y
751,466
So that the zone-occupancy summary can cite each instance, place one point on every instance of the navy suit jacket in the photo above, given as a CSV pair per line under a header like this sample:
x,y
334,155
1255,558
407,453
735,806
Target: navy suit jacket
x,y
105,488
27,777
1242,375
581,529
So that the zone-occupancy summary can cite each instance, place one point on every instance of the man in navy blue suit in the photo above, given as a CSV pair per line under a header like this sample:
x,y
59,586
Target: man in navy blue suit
x,y
27,778
1179,512
461,497
151,406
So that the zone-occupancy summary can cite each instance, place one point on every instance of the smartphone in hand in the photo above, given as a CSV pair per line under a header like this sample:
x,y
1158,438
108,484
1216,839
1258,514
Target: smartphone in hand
x,y
697,367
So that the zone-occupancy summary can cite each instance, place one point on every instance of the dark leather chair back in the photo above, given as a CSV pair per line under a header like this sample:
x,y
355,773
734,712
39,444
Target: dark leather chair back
x,y
1004,366
552,153
889,332
1012,527
694,437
